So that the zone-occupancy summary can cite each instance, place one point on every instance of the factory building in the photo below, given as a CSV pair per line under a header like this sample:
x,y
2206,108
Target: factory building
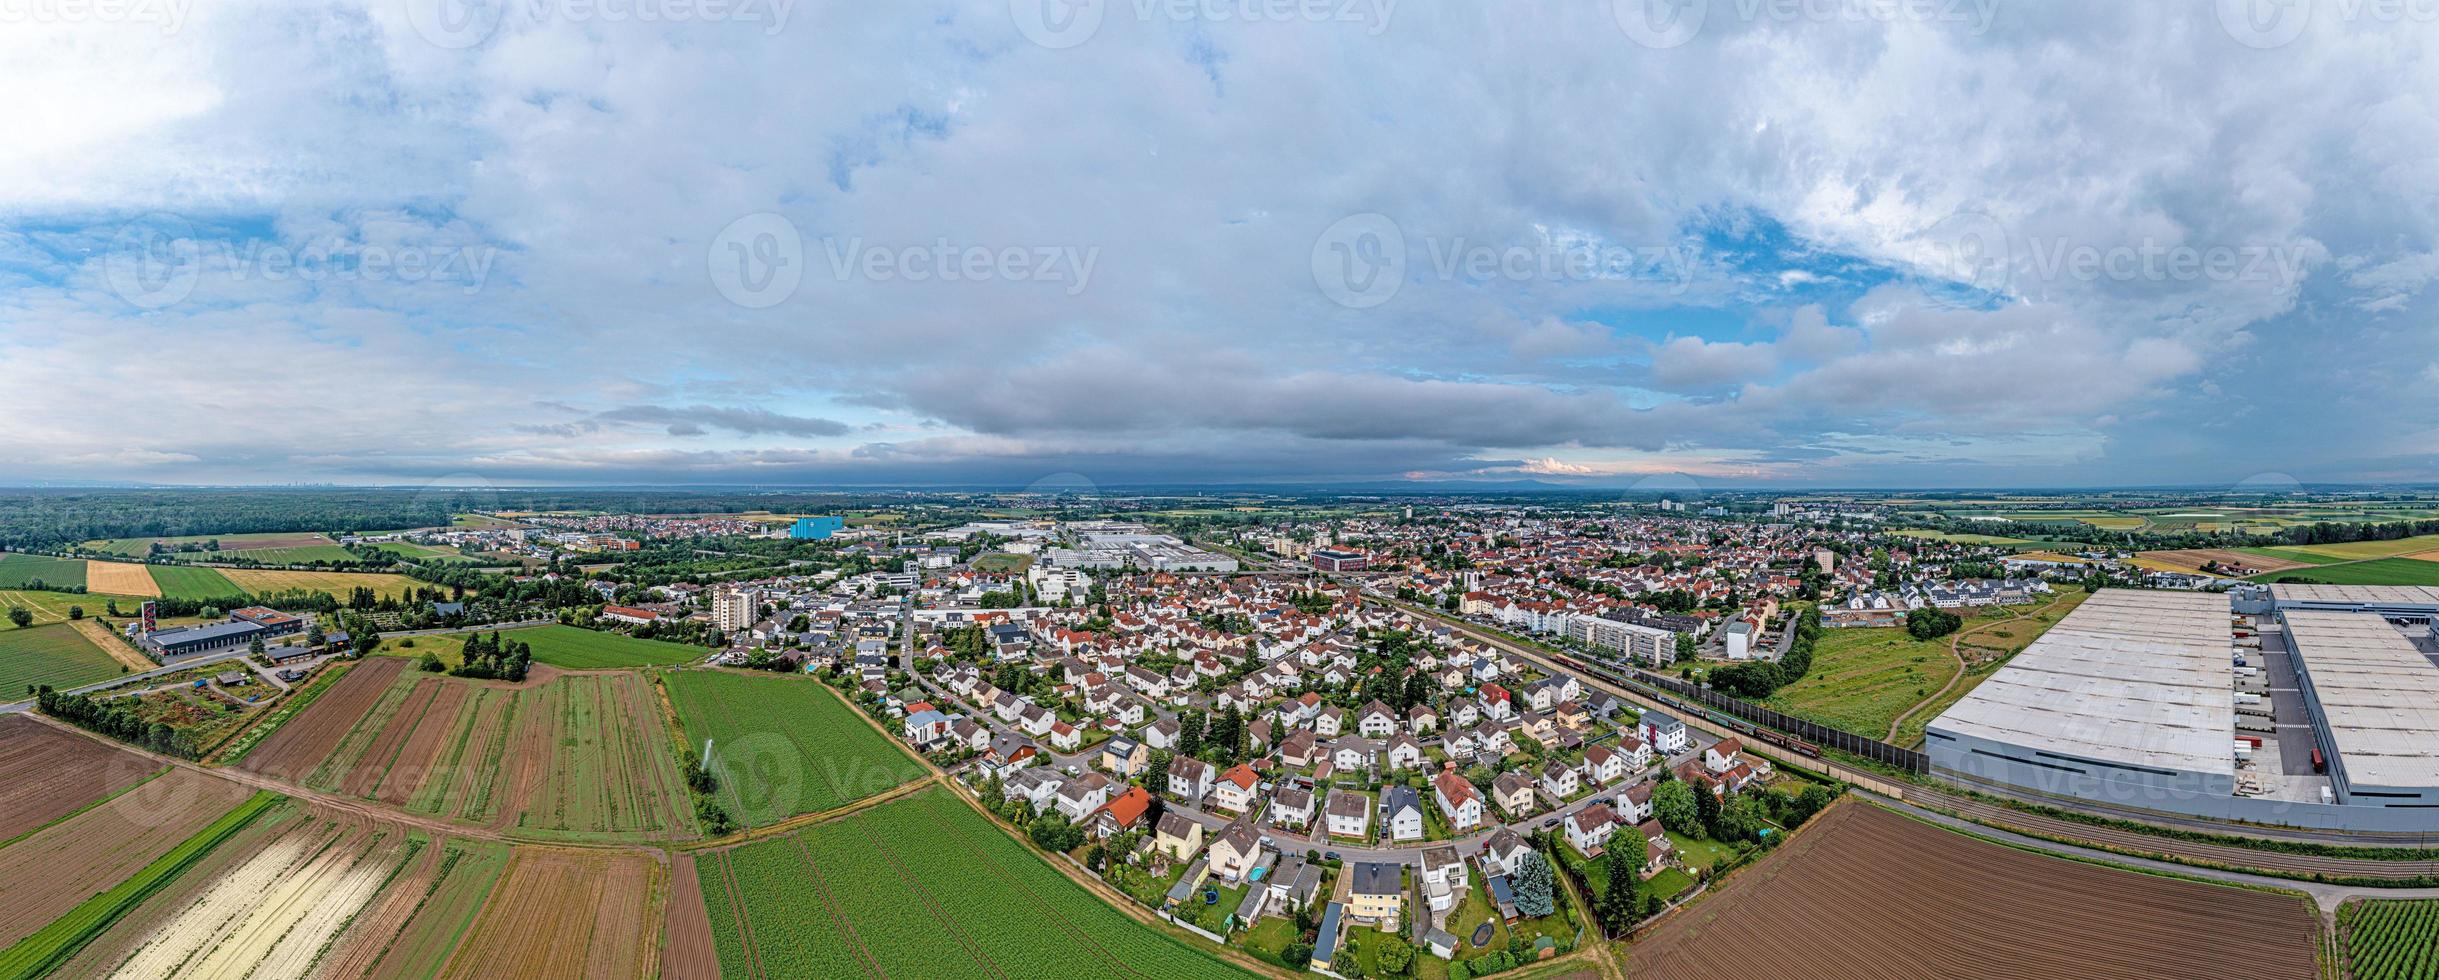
x,y
2373,696
2126,700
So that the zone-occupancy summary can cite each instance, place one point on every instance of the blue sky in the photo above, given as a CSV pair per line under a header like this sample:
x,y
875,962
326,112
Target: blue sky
x,y
1129,241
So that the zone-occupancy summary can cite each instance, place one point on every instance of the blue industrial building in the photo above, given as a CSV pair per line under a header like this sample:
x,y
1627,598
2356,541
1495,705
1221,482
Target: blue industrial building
x,y
817,528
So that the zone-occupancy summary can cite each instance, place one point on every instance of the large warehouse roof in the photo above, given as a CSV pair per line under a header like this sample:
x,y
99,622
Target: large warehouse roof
x,y
2134,678
2370,595
2379,694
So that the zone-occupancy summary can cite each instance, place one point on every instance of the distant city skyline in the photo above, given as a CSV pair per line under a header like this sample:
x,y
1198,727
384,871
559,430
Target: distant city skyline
x,y
1104,244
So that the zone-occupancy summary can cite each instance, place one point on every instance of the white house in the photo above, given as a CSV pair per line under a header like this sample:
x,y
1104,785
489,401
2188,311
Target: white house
x,y
1589,828
1458,801
1664,732
1349,814
1190,778
1401,813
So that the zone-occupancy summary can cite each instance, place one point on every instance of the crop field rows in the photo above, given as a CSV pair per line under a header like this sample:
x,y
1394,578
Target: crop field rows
x,y
53,871
1867,892
2390,940
785,745
572,914
59,655
921,886
50,774
566,756
269,905
21,571
189,582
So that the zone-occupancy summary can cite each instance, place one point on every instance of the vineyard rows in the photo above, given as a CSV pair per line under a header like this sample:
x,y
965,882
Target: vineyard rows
x,y
2387,940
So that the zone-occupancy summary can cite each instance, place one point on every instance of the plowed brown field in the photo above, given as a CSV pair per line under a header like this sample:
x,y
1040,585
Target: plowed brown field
x,y
46,774
1866,892
573,914
293,752
45,875
687,952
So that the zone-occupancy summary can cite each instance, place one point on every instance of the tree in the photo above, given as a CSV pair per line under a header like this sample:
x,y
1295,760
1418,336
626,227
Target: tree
x,y
18,615
1706,810
1534,886
314,637
1053,833
1394,955
255,646
76,612
1928,624
1673,802
1618,904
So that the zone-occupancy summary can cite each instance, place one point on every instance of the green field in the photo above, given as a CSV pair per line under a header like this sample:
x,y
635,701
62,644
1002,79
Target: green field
x,y
923,886
2353,550
185,582
583,649
2389,940
785,744
18,571
1002,562
2378,571
1862,679
2292,554
52,607
57,655
418,552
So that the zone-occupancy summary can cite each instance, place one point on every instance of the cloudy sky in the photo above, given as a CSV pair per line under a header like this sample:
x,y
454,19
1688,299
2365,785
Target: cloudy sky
x,y
1061,242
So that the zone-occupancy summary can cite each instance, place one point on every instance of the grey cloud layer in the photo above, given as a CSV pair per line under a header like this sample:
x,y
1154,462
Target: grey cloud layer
x,y
1201,160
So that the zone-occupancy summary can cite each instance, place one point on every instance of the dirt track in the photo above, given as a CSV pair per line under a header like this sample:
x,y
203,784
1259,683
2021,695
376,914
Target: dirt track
x,y
1865,892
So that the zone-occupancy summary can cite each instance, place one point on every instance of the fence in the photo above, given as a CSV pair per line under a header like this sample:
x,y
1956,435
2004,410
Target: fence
x,y
1743,715
1810,731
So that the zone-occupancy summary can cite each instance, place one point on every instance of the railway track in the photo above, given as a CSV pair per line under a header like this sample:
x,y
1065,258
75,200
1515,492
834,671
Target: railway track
x,y
2120,839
